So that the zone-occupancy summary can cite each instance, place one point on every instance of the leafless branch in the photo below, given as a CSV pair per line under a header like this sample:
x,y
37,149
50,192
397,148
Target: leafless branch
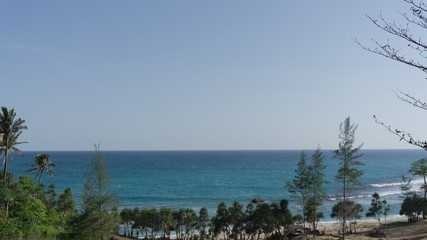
x,y
422,6
403,135
408,98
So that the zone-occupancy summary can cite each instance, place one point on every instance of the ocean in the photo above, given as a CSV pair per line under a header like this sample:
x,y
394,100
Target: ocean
x,y
195,179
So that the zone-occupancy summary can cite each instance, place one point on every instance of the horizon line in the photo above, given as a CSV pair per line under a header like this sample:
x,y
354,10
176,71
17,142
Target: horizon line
x,y
205,150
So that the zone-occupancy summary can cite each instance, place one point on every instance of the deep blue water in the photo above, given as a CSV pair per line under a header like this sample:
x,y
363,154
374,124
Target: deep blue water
x,y
198,179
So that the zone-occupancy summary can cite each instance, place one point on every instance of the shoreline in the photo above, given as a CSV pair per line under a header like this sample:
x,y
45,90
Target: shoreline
x,y
390,218
396,229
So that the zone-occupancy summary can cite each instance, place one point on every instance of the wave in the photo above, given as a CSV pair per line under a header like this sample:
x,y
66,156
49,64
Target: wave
x,y
388,193
382,194
385,185
414,182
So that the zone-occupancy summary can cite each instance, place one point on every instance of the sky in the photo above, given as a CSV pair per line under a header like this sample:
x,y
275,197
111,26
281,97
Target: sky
x,y
203,75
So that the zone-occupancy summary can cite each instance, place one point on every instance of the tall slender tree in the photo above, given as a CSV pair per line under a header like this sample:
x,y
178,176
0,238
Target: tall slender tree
x,y
318,183
299,188
348,173
10,130
98,201
40,165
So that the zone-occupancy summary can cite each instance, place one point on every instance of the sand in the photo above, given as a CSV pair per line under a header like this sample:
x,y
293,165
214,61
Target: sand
x,y
395,229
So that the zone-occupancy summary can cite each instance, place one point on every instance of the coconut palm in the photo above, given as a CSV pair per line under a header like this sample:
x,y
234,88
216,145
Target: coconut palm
x,y
10,129
40,165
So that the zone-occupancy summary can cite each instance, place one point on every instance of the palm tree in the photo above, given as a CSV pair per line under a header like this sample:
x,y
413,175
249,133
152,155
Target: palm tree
x,y
10,129
42,163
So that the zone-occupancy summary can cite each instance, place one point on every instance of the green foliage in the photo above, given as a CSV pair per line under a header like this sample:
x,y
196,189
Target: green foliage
x,y
406,187
98,220
377,208
222,220
10,130
51,196
301,185
166,221
282,218
236,219
151,222
299,219
318,175
318,190
347,154
27,185
311,212
127,218
203,223
66,204
350,211
412,207
419,168
264,219
40,165
9,228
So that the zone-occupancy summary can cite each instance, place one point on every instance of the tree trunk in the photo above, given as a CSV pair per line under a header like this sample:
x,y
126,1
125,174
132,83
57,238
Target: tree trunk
x,y
344,210
6,153
40,178
7,209
425,193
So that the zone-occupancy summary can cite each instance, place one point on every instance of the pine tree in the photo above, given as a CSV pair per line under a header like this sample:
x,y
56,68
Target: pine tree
x,y
98,201
318,183
299,188
348,173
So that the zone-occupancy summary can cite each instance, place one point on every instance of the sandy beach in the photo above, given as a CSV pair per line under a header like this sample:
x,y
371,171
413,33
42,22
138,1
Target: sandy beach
x,y
397,228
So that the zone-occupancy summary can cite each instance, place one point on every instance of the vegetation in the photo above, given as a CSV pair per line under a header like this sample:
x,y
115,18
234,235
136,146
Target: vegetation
x,y
412,207
231,222
99,217
33,212
308,187
301,185
318,189
31,216
406,187
378,208
10,130
350,211
348,173
40,165
419,168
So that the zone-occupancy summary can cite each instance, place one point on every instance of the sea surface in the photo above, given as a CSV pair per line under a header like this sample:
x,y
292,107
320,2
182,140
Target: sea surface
x,y
195,179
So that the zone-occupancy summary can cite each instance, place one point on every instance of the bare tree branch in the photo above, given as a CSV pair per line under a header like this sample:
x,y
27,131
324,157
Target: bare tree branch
x,y
422,6
406,97
403,135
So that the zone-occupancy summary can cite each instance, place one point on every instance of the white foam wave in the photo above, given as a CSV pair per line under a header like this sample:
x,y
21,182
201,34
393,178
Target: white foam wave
x,y
388,193
385,185
415,183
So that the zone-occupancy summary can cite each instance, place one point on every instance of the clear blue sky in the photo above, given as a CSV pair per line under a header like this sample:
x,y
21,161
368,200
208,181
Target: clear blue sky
x,y
157,75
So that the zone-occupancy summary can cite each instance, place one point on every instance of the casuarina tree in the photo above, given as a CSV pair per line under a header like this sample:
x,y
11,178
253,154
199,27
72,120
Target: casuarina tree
x,y
348,155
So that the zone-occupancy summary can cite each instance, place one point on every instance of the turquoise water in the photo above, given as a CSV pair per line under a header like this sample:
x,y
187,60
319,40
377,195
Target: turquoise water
x,y
198,179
